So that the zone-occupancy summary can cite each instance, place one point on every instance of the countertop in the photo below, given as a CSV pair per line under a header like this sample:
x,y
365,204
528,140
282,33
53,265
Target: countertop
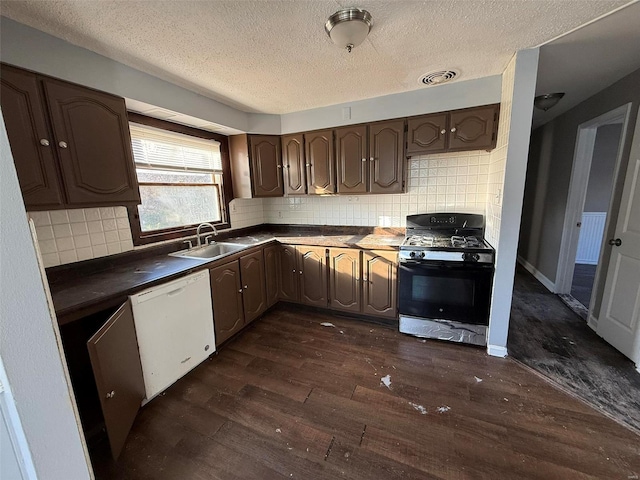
x,y
101,284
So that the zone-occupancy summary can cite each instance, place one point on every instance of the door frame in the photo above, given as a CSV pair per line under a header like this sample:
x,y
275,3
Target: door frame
x,y
582,159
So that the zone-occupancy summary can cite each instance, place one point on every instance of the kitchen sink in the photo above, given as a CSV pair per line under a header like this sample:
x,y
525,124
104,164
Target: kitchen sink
x,y
210,252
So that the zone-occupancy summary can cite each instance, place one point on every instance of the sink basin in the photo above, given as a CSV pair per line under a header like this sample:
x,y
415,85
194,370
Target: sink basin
x,y
210,252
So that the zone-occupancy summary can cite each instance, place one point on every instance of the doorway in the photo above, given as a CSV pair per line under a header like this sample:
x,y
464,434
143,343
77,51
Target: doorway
x,y
594,211
583,261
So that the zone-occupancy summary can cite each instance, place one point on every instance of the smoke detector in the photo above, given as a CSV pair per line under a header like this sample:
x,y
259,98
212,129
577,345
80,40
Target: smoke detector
x,y
438,77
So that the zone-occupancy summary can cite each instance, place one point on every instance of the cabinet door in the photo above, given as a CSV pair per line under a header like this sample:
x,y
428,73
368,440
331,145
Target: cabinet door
x,y
320,163
266,166
293,164
32,146
427,134
344,279
351,159
312,268
289,276
93,143
473,129
386,155
226,294
116,366
272,274
254,295
379,278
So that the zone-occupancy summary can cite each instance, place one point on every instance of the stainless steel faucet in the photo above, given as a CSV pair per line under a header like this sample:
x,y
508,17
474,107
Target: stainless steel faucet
x,y
215,232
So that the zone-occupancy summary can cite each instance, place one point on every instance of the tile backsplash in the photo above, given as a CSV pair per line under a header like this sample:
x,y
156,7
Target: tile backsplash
x,y
443,182
66,236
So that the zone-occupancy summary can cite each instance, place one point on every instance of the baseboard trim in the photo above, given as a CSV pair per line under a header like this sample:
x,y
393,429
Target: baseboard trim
x,y
497,351
548,284
593,323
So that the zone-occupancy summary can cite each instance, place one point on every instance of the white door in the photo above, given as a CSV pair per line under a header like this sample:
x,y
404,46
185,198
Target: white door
x,y
620,312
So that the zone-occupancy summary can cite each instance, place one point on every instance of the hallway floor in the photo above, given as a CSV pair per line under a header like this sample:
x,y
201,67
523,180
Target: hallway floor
x,y
550,338
582,284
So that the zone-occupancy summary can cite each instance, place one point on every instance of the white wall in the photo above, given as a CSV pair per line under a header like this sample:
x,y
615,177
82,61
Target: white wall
x,y
507,174
29,343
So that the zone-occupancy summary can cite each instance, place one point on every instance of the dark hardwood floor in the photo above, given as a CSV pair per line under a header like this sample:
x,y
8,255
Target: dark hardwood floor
x,y
290,398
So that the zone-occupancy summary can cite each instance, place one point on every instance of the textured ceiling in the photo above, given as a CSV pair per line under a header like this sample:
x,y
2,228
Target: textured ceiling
x,y
274,56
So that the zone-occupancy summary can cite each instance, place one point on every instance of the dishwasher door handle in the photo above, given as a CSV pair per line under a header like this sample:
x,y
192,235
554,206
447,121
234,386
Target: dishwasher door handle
x,y
175,292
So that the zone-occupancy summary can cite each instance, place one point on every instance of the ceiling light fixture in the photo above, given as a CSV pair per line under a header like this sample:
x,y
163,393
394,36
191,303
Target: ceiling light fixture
x,y
349,27
548,100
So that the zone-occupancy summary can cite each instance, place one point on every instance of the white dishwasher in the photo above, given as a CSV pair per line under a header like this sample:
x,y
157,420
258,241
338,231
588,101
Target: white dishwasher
x,y
174,326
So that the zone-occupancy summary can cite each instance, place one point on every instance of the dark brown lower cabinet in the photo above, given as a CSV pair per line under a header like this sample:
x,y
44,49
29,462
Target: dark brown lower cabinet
x,y
271,274
312,269
115,360
344,279
380,286
226,295
289,276
254,296
238,294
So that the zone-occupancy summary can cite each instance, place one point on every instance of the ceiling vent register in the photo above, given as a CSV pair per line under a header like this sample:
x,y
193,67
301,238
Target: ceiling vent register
x,y
438,77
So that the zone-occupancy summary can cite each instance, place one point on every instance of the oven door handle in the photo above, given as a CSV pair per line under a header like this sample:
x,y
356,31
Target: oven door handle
x,y
445,265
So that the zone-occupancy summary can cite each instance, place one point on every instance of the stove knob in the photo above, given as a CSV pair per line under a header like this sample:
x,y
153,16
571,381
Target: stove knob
x,y
412,254
470,257
421,254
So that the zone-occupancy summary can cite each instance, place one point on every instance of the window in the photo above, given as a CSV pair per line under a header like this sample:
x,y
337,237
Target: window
x,y
181,177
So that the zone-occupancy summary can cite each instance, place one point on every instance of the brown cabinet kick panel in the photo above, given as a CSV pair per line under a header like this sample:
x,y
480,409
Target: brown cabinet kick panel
x,y
352,159
115,361
293,165
266,166
312,268
344,279
380,286
226,294
427,134
320,162
386,157
254,296
32,145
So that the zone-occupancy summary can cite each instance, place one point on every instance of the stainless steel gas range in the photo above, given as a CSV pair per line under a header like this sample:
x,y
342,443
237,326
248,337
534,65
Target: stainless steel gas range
x,y
446,274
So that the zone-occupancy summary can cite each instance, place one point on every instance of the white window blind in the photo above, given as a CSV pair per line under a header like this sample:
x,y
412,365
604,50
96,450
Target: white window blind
x,y
160,149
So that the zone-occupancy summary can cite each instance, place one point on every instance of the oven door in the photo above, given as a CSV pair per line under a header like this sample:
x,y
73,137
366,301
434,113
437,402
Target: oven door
x,y
446,291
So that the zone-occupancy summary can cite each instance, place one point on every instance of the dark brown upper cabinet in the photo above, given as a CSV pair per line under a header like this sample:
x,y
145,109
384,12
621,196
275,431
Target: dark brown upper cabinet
x,y
256,166
351,159
386,157
115,360
293,164
71,144
320,162
473,128
266,166
427,134
460,130
30,139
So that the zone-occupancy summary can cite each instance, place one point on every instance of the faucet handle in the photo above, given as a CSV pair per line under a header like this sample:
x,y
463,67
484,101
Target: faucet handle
x,y
208,240
190,243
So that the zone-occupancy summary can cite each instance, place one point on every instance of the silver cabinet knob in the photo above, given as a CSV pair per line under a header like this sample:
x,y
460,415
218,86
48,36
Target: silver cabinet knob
x,y
240,291
371,159
300,272
246,287
453,129
62,144
294,270
308,164
111,394
279,166
364,159
44,142
443,131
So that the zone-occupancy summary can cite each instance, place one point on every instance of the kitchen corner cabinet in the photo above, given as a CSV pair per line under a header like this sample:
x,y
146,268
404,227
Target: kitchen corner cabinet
x,y
320,164
380,285
303,273
238,294
459,130
370,158
293,165
256,165
71,144
344,279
